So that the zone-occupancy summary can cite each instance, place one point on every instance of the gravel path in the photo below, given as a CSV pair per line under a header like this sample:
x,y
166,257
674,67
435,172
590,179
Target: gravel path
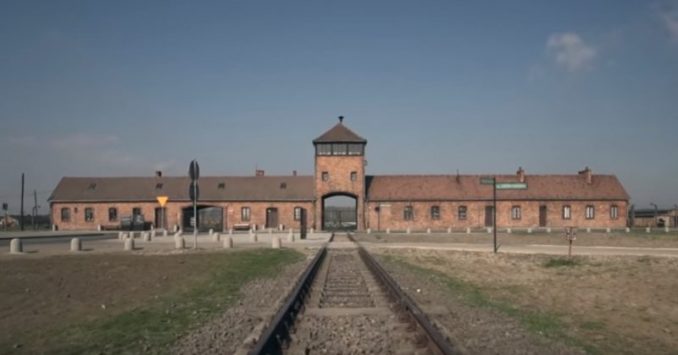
x,y
242,322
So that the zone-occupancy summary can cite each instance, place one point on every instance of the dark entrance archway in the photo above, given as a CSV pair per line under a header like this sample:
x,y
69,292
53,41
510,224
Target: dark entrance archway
x,y
339,212
209,217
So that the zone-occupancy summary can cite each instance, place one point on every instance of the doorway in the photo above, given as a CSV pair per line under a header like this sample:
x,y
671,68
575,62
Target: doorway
x,y
542,216
271,217
489,216
160,218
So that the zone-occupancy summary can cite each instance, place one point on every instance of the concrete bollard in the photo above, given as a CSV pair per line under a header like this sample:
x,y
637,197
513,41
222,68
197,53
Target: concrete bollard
x,y
121,235
179,242
253,238
230,231
99,227
290,237
648,230
147,237
369,231
529,231
275,243
408,231
281,227
666,229
153,233
54,228
548,230
388,230
468,230
489,229
211,231
628,230
588,230
608,230
76,244
508,230
216,237
311,232
449,230
428,230
164,232
129,244
228,243
15,246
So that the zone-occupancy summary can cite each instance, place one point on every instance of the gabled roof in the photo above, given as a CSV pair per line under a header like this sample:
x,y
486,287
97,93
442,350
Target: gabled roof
x,y
234,188
339,134
468,187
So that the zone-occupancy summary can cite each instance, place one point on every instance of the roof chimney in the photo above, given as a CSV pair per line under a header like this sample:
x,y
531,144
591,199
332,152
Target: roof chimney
x,y
588,175
341,119
260,172
521,174
158,173
294,173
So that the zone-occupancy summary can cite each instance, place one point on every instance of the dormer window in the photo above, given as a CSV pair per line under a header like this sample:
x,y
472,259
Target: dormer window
x,y
92,186
158,186
221,185
283,185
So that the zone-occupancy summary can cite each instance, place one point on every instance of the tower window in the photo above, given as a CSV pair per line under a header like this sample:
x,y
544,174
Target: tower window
x,y
354,176
339,149
324,149
325,176
355,149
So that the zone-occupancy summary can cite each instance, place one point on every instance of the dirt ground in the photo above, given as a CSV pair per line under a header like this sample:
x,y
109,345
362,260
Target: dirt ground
x,y
39,296
633,239
599,304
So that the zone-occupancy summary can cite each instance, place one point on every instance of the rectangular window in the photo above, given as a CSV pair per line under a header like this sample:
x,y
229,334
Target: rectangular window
x,y
325,176
590,212
435,212
614,212
354,176
297,213
112,214
461,213
245,214
89,214
567,212
408,213
136,211
65,214
324,149
516,212
355,149
339,149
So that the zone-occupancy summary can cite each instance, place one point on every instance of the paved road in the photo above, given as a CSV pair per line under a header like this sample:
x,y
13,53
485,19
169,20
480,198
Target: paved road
x,y
534,249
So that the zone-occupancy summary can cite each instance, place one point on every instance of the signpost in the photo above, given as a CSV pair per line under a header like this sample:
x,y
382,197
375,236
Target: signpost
x,y
162,200
491,180
5,207
193,191
571,235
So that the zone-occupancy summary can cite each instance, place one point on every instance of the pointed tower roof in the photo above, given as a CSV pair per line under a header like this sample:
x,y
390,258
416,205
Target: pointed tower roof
x,y
339,134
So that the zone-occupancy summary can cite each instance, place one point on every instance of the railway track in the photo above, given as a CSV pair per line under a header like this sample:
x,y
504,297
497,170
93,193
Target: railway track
x,y
345,303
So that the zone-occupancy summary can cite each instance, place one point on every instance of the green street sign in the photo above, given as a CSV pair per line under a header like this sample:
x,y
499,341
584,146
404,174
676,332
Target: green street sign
x,y
511,186
486,180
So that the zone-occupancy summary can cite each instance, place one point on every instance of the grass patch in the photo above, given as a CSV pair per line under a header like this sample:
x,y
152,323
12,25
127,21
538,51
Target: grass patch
x,y
153,327
561,262
538,322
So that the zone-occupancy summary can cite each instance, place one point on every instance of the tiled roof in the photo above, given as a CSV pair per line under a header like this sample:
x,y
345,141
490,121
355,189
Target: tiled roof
x,y
249,188
339,134
468,187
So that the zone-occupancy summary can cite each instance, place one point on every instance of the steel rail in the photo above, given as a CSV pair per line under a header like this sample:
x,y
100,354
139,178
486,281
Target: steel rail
x,y
278,332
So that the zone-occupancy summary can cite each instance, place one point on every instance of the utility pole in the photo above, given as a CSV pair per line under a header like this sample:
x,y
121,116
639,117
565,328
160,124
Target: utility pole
x,y
21,223
35,208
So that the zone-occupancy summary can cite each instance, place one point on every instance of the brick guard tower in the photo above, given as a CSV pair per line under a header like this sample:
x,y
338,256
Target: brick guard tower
x,y
339,170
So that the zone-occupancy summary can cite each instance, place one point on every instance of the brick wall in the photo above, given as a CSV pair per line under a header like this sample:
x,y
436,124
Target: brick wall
x,y
339,169
391,215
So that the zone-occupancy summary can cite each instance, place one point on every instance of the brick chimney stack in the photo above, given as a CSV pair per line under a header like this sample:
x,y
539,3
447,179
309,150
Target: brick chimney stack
x,y
521,174
588,175
158,173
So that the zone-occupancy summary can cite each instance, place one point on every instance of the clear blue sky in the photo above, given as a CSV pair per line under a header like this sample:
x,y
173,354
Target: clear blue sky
x,y
93,88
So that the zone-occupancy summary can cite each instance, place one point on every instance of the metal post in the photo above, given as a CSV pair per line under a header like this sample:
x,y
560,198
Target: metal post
x,y
195,216
21,223
494,212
